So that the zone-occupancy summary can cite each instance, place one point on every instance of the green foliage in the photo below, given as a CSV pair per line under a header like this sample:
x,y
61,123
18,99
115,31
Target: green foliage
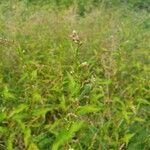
x,y
66,135
59,91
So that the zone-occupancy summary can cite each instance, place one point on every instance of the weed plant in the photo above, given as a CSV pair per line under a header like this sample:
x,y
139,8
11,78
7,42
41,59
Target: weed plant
x,y
86,90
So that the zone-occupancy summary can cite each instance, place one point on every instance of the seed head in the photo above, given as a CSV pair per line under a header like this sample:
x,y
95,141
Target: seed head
x,y
75,38
5,42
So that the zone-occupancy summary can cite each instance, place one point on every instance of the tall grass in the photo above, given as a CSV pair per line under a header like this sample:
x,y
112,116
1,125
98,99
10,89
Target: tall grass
x,y
57,94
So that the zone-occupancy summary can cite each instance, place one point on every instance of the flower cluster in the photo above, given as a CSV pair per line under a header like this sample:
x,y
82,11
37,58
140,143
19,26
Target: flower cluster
x,y
74,36
5,42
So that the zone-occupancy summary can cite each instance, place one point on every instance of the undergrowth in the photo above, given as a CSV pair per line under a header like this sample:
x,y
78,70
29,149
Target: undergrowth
x,y
86,90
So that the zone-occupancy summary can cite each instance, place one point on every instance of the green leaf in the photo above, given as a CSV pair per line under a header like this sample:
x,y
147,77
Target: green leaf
x,y
73,86
18,109
41,111
36,96
138,142
65,135
3,130
2,116
33,147
105,82
7,94
138,119
128,137
34,74
143,101
88,109
27,136
63,103
9,143
86,90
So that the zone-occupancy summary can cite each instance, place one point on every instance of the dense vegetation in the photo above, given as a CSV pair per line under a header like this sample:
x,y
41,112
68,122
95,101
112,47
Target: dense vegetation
x,y
86,90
